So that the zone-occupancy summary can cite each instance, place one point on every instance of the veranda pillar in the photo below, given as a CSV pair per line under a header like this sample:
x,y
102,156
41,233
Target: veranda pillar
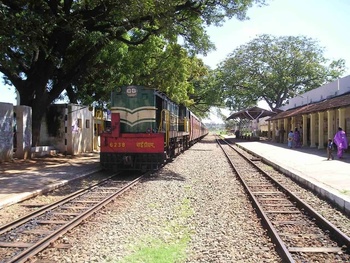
x,y
313,130
304,130
320,130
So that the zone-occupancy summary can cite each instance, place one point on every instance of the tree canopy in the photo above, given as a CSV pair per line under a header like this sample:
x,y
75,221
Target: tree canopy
x,y
48,46
207,94
154,63
275,69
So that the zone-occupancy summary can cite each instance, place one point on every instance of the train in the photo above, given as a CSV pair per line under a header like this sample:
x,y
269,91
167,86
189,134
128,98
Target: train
x,y
147,130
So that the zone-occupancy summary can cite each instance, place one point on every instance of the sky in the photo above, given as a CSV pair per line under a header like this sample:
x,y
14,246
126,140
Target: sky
x,y
324,20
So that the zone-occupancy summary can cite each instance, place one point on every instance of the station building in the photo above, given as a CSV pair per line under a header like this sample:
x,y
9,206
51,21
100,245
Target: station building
x,y
317,114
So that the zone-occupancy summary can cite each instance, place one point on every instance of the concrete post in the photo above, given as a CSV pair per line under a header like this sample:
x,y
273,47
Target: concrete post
x,y
293,124
6,131
341,123
286,128
304,130
330,124
320,130
313,130
24,131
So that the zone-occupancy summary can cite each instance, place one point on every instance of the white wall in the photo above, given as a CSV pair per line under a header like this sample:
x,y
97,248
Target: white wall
x,y
24,131
73,136
6,131
326,91
80,129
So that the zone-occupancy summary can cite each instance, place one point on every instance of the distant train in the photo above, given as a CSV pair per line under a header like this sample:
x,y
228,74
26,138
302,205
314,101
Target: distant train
x,y
147,129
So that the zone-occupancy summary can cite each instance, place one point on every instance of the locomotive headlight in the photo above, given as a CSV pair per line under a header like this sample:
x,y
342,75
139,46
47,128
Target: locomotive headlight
x,y
131,91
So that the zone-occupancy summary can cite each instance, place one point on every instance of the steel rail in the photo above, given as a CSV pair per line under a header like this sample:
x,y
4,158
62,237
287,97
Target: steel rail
x,y
24,219
281,248
46,241
320,220
334,234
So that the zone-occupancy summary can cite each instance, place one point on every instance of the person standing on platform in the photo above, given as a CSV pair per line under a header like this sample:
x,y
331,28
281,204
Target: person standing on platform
x,y
290,139
330,149
301,135
237,134
297,142
341,141
277,135
282,131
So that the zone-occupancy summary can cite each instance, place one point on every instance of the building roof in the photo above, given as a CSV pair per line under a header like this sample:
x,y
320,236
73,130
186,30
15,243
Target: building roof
x,y
332,103
251,113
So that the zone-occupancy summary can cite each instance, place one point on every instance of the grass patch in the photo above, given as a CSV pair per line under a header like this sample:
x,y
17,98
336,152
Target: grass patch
x,y
269,168
345,192
156,251
171,243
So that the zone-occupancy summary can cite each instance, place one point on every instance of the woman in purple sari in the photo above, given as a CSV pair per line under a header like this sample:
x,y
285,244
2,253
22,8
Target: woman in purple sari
x,y
297,142
341,141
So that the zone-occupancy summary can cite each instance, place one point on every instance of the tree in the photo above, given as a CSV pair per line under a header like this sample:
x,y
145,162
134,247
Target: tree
x,y
275,69
47,45
207,94
155,63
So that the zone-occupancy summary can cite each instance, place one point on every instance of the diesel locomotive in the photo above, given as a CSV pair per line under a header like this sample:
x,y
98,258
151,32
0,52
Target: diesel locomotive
x,y
147,129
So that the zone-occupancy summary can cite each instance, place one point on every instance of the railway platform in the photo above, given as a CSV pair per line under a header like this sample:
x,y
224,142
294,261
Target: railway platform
x,y
328,178
22,179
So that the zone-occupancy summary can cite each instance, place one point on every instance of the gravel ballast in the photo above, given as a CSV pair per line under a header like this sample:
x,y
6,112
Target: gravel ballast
x,y
194,206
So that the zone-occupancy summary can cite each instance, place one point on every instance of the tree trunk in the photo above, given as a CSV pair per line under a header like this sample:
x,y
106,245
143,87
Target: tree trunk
x,y
38,112
38,99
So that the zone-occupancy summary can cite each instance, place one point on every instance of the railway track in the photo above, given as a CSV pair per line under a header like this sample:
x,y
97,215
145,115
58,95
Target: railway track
x,y
299,232
23,238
